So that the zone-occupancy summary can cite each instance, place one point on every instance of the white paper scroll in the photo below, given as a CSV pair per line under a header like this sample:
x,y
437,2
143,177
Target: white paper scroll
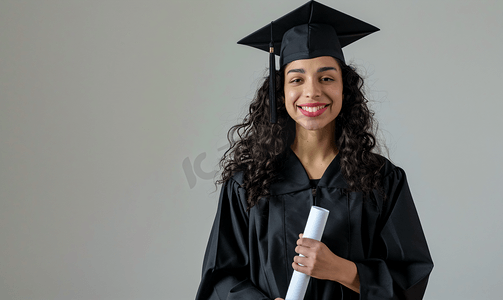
x,y
314,230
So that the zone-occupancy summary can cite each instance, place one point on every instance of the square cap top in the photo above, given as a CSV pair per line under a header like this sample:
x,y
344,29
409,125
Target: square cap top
x,y
310,31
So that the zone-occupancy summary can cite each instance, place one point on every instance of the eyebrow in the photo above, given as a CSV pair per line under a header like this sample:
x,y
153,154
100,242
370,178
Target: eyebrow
x,y
296,71
322,69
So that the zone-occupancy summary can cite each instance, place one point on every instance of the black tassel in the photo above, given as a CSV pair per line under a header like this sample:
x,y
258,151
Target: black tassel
x,y
272,80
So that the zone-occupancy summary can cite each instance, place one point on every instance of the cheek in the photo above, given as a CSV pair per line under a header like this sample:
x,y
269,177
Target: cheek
x,y
291,95
338,95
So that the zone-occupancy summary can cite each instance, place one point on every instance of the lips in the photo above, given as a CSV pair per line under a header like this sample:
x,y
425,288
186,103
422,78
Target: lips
x,y
312,109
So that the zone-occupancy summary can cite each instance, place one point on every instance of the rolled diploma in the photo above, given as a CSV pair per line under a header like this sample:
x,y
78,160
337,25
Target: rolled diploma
x,y
314,230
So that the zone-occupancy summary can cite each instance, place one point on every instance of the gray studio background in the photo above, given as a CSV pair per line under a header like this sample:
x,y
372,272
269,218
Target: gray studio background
x,y
113,115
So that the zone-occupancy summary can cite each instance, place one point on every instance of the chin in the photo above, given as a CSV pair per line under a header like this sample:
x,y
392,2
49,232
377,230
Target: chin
x,y
312,125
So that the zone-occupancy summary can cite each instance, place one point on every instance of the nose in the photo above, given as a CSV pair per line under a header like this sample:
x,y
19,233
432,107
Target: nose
x,y
312,89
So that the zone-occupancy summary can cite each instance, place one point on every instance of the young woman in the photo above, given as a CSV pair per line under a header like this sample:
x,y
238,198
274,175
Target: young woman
x,y
318,152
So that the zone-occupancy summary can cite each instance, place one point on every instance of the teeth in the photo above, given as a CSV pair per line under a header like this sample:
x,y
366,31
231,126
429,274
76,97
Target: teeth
x,y
312,109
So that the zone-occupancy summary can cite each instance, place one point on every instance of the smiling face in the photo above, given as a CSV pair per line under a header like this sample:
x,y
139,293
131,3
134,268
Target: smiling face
x,y
313,91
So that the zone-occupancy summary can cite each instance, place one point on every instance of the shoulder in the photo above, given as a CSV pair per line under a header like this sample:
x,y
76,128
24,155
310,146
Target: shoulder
x,y
389,169
236,184
233,195
238,178
395,188
393,181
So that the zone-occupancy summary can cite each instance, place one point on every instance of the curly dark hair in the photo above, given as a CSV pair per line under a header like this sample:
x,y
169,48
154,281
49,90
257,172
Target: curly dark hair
x,y
257,147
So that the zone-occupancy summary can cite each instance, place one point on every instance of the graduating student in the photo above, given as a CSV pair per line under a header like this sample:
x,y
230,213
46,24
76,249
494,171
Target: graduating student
x,y
308,139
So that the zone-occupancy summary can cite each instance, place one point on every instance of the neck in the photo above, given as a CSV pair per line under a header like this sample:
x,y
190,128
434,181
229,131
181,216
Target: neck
x,y
315,146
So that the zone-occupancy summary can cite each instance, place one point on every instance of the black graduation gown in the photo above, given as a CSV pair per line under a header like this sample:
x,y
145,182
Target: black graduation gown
x,y
249,254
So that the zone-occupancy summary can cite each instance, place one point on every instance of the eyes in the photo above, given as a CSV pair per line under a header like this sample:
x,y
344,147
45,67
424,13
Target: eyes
x,y
299,80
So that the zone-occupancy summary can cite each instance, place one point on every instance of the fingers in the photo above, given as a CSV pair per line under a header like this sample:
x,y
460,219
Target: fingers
x,y
303,261
303,269
303,250
306,265
305,242
308,247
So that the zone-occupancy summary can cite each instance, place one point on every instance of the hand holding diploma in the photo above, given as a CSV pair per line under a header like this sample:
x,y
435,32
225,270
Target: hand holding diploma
x,y
314,230
317,260
321,263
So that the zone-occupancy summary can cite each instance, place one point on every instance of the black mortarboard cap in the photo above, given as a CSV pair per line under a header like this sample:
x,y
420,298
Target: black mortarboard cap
x,y
310,31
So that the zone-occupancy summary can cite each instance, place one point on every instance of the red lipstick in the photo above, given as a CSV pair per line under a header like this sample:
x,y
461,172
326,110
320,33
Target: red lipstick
x,y
322,107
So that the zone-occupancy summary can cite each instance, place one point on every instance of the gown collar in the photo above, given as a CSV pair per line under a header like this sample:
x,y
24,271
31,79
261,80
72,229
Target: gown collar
x,y
293,177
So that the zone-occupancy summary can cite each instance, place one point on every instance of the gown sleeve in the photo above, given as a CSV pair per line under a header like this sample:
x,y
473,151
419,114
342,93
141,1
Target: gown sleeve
x,y
225,272
400,262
